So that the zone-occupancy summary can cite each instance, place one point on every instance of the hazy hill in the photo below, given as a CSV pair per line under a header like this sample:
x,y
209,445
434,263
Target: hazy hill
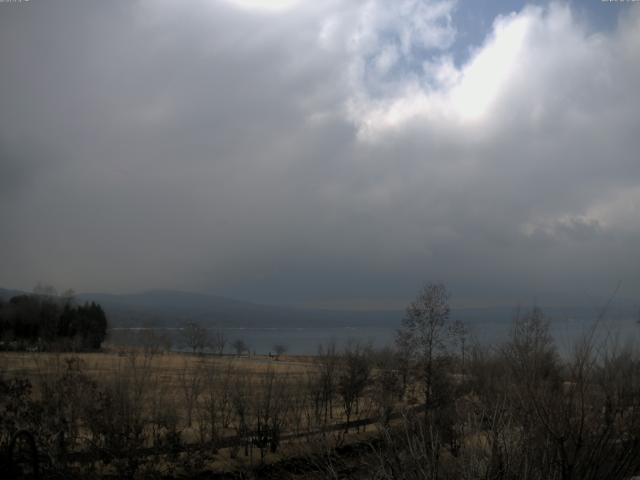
x,y
6,294
172,308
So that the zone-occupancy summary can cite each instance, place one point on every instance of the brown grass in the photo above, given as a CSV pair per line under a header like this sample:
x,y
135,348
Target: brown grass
x,y
166,365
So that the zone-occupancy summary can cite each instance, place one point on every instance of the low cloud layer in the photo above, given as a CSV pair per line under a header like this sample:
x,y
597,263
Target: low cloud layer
x,y
318,152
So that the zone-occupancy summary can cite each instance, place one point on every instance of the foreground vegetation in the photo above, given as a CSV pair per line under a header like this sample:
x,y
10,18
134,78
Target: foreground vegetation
x,y
435,407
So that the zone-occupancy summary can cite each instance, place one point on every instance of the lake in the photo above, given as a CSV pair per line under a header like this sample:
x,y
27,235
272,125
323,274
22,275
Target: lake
x,y
305,340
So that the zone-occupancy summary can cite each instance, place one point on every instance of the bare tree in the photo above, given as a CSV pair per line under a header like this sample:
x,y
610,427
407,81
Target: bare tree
x,y
120,416
354,377
153,342
424,333
327,361
215,409
240,347
460,334
270,406
531,351
191,385
279,349
218,342
387,382
195,336
242,411
579,418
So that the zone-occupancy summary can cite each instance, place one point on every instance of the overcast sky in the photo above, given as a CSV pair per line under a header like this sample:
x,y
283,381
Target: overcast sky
x,y
334,153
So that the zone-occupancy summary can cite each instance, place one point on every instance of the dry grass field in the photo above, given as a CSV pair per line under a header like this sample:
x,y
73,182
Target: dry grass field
x,y
237,411
168,366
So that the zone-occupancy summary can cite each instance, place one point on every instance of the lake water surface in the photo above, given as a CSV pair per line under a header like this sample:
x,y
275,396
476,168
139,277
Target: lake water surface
x,y
305,340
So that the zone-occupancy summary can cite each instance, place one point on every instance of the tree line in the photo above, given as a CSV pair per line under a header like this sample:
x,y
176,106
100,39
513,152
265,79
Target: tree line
x,y
46,322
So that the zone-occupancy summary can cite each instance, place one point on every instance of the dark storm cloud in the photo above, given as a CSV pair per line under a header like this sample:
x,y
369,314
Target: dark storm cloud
x,y
279,155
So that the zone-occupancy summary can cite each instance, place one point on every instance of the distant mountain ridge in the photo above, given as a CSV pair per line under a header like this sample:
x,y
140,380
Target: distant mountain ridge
x,y
168,308
172,308
6,294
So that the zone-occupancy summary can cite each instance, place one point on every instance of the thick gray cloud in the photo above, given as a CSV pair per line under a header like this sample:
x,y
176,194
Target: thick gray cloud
x,y
320,152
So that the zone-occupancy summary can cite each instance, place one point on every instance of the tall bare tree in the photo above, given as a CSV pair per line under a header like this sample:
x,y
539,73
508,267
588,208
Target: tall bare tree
x,y
424,335
354,376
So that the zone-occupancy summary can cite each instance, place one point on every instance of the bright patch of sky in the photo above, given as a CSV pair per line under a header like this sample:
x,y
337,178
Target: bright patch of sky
x,y
474,18
448,59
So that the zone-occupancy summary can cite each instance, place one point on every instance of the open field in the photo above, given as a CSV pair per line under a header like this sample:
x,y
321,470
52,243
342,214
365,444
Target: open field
x,y
235,411
519,410
167,365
